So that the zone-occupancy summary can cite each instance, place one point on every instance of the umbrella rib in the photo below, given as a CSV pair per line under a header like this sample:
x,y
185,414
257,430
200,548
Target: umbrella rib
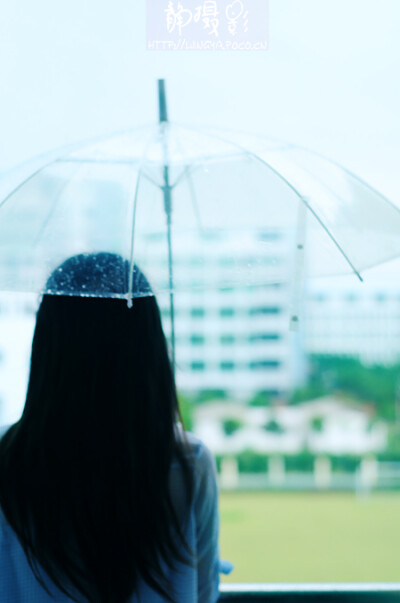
x,y
194,198
356,272
212,131
73,148
300,196
329,188
350,173
151,180
181,176
61,191
97,161
188,171
25,181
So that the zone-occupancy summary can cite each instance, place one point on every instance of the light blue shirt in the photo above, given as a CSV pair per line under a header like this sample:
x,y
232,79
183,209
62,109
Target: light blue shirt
x,y
191,584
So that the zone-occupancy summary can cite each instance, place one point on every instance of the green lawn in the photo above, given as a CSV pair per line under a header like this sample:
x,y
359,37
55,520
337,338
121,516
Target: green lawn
x,y
302,537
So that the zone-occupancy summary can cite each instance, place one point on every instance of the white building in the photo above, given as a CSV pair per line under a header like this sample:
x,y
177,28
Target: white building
x,y
234,338
355,319
343,428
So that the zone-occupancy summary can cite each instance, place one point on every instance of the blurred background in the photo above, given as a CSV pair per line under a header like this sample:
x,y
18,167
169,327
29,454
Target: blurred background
x,y
305,425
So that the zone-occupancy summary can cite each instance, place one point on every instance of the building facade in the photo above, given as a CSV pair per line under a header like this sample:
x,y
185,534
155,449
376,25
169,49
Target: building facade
x,y
353,319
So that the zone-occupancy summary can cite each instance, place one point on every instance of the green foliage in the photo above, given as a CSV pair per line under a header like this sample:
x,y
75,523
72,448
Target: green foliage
x,y
186,410
231,425
317,424
205,395
274,427
300,462
261,398
393,448
248,461
218,461
348,376
252,462
345,463
304,462
308,392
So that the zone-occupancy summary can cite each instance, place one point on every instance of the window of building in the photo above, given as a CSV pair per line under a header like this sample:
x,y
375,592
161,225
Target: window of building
x,y
197,312
227,365
272,260
166,312
197,339
256,365
226,312
264,337
198,365
227,339
263,310
272,235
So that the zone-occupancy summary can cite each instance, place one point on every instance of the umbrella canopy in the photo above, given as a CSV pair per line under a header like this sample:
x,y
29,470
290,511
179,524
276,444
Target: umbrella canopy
x,y
171,193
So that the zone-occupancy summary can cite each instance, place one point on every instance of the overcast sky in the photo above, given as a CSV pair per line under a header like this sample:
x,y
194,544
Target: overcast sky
x,y
329,81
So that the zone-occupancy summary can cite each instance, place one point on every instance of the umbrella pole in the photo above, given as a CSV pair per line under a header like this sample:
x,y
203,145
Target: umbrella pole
x,y
167,195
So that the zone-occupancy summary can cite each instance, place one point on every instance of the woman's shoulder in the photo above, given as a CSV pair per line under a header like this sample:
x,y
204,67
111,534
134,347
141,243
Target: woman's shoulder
x,y
196,449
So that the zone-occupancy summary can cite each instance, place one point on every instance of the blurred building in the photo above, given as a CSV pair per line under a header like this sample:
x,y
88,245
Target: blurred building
x,y
327,425
235,338
357,319
17,321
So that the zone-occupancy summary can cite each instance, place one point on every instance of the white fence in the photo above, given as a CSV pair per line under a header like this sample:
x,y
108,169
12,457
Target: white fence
x,y
370,475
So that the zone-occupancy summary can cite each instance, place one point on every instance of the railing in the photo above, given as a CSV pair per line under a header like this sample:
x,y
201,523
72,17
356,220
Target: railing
x,y
307,593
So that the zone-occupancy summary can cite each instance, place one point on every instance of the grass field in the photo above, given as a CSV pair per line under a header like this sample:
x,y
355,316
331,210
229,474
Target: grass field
x,y
302,537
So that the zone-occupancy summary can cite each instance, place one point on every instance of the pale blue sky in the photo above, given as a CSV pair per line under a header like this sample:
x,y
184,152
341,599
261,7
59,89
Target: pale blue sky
x,y
329,81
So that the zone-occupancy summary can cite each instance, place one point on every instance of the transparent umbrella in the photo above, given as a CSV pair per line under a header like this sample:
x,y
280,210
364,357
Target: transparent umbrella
x,y
195,208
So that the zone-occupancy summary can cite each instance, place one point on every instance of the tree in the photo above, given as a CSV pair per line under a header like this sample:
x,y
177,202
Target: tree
x,y
308,392
274,427
231,425
261,398
349,377
317,424
206,395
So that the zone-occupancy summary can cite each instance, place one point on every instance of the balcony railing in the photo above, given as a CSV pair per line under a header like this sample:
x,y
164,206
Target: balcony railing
x,y
307,593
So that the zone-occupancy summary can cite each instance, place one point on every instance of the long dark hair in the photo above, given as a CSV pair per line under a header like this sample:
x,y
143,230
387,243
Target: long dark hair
x,y
84,474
